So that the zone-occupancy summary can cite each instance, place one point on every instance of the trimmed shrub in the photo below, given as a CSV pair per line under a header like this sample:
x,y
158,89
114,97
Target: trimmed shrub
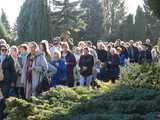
x,y
143,76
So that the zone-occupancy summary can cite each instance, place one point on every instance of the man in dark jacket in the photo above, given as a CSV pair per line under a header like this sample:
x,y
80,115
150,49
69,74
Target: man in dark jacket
x,y
133,53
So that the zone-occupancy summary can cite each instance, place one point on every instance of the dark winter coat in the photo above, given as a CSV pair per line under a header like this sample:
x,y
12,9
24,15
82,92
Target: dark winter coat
x,y
133,57
86,61
10,75
113,67
124,51
102,55
142,57
148,53
70,64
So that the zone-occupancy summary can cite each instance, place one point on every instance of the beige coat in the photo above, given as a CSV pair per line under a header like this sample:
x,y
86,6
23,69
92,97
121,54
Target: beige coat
x,y
38,67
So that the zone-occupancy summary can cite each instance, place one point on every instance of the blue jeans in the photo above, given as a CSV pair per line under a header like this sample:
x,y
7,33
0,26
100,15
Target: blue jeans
x,y
86,80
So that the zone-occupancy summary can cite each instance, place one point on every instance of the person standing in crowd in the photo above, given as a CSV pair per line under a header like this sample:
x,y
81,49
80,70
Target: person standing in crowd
x,y
113,63
60,76
133,52
122,56
56,45
141,57
148,50
70,62
77,54
44,48
119,45
101,52
86,64
155,54
18,66
9,71
35,65
92,51
23,52
102,58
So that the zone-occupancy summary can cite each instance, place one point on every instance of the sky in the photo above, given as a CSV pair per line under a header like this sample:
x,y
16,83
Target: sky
x,y
12,8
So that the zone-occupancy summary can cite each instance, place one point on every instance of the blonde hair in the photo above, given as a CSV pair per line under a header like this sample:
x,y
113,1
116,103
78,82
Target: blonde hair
x,y
81,43
113,50
58,53
13,48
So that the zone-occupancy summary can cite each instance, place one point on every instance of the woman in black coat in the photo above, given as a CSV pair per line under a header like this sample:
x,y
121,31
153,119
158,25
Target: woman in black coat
x,y
102,57
9,71
86,64
113,63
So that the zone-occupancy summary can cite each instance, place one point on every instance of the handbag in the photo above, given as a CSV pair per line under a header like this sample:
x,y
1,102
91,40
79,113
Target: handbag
x,y
43,85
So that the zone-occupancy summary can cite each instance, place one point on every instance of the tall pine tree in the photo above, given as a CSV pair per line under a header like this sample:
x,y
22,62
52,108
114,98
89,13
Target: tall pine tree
x,y
115,14
3,32
66,16
126,31
33,21
94,19
153,23
140,24
5,21
154,5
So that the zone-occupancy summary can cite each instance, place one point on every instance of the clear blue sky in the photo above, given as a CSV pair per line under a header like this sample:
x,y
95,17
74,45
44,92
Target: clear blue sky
x,y
12,7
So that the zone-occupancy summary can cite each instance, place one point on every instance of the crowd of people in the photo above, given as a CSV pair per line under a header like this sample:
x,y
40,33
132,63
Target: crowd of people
x,y
24,68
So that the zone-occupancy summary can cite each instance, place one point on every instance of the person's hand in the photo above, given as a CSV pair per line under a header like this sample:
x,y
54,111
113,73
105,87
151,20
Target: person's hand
x,y
67,63
98,62
57,64
13,84
103,64
109,62
37,69
30,69
84,68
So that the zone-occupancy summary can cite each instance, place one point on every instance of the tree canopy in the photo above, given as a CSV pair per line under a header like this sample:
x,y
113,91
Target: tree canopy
x,y
33,21
154,4
66,16
93,19
4,21
86,20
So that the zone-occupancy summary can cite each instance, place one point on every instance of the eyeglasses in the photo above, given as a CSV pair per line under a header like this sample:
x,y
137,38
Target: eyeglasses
x,y
4,50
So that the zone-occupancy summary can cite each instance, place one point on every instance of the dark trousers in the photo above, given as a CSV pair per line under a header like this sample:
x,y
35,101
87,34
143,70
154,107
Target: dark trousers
x,y
2,107
20,92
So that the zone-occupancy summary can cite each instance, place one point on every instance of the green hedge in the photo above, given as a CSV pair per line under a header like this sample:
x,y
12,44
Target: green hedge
x,y
135,97
122,103
143,76
55,102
